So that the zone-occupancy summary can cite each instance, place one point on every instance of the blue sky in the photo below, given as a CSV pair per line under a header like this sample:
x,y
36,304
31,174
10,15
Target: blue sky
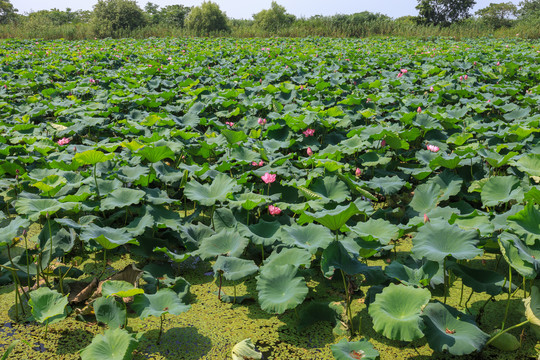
x,y
245,9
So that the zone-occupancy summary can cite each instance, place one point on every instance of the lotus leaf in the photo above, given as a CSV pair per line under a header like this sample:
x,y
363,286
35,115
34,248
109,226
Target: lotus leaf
x,y
280,289
361,349
48,306
114,344
234,268
110,312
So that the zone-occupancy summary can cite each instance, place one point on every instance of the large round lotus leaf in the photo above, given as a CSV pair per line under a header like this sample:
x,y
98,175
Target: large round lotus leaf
x,y
426,197
501,189
417,275
62,240
157,153
119,288
110,312
48,305
234,268
506,341
448,330
210,194
378,229
280,289
11,228
288,256
91,157
336,218
518,255
438,239
331,188
34,208
361,349
396,312
335,256
449,183
387,185
168,174
310,237
164,301
132,174
526,223
264,232
226,242
530,164
122,197
107,237
114,344
248,201
480,280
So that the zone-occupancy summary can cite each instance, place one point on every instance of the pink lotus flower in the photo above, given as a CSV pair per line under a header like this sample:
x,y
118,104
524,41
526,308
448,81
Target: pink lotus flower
x,y
465,77
254,163
309,151
92,81
358,172
261,163
475,63
404,71
274,210
63,141
261,121
426,218
498,63
268,178
461,78
229,123
399,75
432,148
431,89
309,132
419,110
383,143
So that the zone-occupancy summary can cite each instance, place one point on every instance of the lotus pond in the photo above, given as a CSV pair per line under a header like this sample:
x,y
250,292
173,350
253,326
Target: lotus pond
x,y
272,198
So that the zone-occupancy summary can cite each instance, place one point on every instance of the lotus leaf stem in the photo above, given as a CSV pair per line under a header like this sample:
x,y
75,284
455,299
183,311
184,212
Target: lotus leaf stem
x,y
51,240
219,288
160,328
348,301
504,331
95,181
509,296
445,279
461,294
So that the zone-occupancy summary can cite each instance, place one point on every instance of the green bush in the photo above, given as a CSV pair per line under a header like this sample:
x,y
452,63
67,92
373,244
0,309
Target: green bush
x,y
274,18
112,17
207,18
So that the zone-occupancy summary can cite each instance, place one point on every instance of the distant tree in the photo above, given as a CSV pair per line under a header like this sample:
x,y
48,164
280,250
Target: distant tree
x,y
152,12
111,16
274,18
7,12
498,15
207,18
529,9
175,15
443,12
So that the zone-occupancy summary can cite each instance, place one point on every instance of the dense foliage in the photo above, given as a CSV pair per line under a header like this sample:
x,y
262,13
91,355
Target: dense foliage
x,y
207,18
112,16
288,163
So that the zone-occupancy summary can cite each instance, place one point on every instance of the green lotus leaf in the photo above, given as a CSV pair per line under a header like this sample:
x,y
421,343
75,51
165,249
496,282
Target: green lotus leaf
x,y
310,237
532,306
34,208
505,341
438,239
449,183
91,157
248,201
530,164
157,153
107,237
448,330
336,218
501,189
286,256
417,275
396,312
119,288
361,349
226,242
264,232
62,240
132,173
48,306
474,221
245,349
516,255
378,229
526,223
14,228
172,255
533,195
114,344
110,312
387,185
208,195
335,256
164,217
426,197
480,280
234,137
164,301
331,188
121,198
280,289
138,225
234,268
50,184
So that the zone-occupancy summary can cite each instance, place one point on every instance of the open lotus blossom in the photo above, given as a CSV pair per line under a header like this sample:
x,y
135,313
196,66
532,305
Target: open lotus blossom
x,y
404,71
309,132
432,148
431,89
229,123
274,210
92,81
419,110
358,172
63,141
261,163
309,151
268,178
261,121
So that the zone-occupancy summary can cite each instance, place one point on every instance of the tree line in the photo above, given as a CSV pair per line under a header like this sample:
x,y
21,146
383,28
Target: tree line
x,y
110,18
